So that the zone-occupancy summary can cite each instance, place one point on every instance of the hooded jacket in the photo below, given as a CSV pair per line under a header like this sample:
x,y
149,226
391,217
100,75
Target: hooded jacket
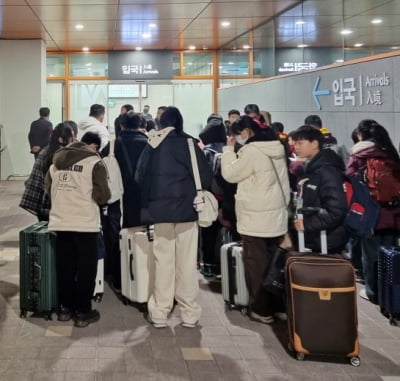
x,y
134,142
165,175
261,204
94,125
324,201
363,150
77,184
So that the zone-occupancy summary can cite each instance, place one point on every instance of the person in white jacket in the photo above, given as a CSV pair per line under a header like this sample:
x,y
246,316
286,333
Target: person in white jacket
x,y
95,124
263,194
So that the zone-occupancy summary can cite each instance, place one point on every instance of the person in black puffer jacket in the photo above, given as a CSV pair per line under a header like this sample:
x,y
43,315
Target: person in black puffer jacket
x,y
321,188
213,137
168,190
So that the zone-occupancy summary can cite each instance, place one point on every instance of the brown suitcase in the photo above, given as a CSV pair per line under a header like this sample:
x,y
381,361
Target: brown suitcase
x,y
322,306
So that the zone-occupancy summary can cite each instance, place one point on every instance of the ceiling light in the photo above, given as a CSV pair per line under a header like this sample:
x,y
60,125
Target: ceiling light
x,y
89,64
358,45
190,63
138,48
302,46
79,26
345,32
301,22
192,47
376,21
152,25
210,63
231,63
395,47
339,61
146,35
225,24
246,47
85,49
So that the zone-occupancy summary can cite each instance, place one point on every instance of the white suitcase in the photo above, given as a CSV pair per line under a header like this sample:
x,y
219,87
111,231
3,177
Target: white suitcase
x,y
99,287
137,264
234,289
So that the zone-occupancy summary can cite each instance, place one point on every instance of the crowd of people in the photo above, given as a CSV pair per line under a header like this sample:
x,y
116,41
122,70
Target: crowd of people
x,y
145,177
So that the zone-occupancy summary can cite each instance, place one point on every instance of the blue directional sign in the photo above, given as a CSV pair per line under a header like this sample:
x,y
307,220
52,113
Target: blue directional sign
x,y
316,93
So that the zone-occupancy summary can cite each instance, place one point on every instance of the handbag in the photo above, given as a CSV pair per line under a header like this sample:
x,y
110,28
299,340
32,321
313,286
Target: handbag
x,y
205,204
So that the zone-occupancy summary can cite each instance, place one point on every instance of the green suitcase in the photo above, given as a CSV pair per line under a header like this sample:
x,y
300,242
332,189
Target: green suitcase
x,y
38,283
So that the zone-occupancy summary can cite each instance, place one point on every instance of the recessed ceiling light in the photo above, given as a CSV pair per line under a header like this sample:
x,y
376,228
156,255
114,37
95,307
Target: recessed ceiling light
x,y
225,24
339,61
192,47
146,35
152,25
85,49
190,63
231,63
138,48
302,46
395,47
79,26
358,45
246,47
346,32
89,64
301,22
376,21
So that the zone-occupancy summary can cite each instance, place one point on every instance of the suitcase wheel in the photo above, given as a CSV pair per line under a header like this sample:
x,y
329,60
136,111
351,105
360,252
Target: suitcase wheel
x,y
393,321
47,316
300,356
243,311
22,315
355,361
98,298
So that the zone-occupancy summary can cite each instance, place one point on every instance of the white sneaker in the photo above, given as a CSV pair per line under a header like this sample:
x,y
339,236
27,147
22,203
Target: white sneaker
x,y
156,324
363,294
281,316
190,325
262,319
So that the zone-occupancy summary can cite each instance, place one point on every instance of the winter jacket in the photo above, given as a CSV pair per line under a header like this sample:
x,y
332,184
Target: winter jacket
x,y
39,134
389,217
77,184
134,142
94,125
261,208
166,178
324,201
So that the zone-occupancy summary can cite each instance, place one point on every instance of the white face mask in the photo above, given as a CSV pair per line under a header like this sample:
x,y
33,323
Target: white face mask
x,y
240,140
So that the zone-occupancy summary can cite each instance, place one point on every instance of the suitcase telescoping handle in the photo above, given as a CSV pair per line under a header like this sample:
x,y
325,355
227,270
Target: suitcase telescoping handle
x,y
302,246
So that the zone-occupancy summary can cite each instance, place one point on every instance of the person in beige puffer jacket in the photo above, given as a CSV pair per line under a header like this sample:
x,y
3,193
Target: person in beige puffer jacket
x,y
262,197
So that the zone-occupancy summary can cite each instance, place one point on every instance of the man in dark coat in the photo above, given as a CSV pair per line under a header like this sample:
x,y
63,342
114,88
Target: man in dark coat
x,y
321,190
128,148
39,134
118,119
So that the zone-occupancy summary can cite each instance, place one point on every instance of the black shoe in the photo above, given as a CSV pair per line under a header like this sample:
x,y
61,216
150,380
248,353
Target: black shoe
x,y
64,314
83,320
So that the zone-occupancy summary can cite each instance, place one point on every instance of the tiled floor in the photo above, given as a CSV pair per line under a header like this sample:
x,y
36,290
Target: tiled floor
x,y
122,346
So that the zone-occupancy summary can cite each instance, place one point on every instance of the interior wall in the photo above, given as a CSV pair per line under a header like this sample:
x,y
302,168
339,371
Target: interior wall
x,y
23,83
368,89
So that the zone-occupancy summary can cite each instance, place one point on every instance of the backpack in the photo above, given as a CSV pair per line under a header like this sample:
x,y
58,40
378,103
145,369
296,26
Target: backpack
x,y
363,212
382,177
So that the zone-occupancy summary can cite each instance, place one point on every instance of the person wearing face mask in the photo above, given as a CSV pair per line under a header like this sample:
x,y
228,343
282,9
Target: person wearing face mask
x,y
263,194
35,198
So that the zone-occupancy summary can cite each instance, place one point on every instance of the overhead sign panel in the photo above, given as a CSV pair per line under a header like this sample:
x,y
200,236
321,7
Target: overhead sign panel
x,y
142,65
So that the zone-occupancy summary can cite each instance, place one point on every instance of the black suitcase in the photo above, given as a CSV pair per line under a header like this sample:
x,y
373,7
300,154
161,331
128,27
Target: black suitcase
x,y
38,283
389,283
322,305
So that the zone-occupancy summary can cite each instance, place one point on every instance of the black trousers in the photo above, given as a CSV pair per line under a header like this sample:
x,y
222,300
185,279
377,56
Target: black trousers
x,y
257,254
76,269
209,238
111,224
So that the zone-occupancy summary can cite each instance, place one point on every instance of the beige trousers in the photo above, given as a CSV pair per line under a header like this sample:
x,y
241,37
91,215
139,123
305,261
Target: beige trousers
x,y
175,254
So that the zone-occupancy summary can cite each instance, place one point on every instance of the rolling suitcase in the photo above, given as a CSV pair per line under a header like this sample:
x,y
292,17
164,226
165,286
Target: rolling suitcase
x,y
389,283
234,289
38,283
322,304
137,264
